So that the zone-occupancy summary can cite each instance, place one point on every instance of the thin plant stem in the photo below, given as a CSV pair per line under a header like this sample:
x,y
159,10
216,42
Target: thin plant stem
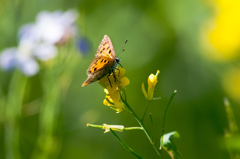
x,y
125,145
124,128
140,123
133,128
153,127
232,129
145,111
2,106
165,115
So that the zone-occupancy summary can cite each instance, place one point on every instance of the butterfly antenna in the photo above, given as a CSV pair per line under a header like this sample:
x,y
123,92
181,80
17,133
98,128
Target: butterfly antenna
x,y
122,48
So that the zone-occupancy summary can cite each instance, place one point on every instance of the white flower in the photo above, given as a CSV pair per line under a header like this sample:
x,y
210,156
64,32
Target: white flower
x,y
27,65
13,58
8,58
38,40
50,27
45,51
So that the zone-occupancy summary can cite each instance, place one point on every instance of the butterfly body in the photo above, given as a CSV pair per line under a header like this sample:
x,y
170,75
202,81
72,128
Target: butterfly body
x,y
105,62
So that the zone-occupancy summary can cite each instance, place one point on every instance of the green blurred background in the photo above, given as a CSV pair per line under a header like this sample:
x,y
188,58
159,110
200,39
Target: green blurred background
x,y
164,35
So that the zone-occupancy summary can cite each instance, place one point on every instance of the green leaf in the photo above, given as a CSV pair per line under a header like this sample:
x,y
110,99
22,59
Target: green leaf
x,y
168,145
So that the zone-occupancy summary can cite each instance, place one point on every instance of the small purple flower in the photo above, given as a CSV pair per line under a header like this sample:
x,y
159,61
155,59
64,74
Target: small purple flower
x,y
83,45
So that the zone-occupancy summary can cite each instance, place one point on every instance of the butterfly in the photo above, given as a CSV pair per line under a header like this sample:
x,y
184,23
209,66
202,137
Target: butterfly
x,y
105,62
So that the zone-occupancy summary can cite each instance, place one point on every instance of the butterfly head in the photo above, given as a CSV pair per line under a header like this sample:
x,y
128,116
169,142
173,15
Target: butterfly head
x,y
117,60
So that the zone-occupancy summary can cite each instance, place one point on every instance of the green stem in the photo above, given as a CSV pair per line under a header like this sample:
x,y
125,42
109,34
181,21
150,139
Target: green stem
x,y
2,106
145,111
133,128
165,115
153,127
55,80
140,123
138,120
125,145
49,112
13,114
124,128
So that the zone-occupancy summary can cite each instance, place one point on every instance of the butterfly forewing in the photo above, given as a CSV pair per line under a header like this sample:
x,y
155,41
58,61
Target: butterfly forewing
x,y
106,48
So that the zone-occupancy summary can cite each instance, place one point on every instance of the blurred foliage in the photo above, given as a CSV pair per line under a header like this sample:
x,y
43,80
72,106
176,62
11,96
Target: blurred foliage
x,y
175,37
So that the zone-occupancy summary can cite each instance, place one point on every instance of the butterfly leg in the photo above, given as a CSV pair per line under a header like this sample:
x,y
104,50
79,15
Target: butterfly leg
x,y
120,65
118,72
109,79
114,76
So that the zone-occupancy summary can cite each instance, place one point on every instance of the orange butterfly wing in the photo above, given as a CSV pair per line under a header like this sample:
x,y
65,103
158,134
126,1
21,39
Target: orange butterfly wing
x,y
106,48
104,60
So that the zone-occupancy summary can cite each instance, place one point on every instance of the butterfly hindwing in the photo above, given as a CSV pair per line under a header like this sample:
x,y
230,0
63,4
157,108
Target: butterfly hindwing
x,y
99,64
98,69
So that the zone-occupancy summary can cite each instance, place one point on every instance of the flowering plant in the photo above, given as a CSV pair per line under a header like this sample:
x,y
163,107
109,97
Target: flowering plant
x,y
42,52
116,99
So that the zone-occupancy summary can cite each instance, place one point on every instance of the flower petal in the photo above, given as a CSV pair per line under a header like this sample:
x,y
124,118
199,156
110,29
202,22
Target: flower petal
x,y
115,97
112,89
121,72
45,51
124,81
28,66
8,58
144,91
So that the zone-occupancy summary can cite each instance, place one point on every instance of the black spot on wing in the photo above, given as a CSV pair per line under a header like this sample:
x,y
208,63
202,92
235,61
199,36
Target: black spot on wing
x,y
95,62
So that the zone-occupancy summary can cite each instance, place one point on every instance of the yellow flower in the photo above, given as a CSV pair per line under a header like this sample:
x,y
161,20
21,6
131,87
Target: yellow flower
x,y
114,88
114,102
116,84
152,81
113,127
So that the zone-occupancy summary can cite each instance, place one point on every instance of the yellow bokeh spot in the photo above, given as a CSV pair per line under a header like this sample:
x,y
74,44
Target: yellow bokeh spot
x,y
223,35
231,84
